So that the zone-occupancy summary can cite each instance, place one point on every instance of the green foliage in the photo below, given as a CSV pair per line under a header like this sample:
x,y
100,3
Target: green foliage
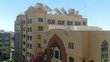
x,y
10,60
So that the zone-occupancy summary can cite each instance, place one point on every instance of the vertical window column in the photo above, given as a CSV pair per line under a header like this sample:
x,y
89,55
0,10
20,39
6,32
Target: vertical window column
x,y
40,19
104,51
40,28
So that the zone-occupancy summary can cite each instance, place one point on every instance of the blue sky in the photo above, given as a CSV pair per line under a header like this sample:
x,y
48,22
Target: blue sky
x,y
97,11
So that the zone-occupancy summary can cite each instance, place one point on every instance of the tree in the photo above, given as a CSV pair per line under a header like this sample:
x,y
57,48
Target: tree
x,y
10,60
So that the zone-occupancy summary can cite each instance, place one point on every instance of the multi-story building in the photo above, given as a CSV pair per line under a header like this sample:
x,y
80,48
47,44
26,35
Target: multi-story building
x,y
5,44
35,20
18,38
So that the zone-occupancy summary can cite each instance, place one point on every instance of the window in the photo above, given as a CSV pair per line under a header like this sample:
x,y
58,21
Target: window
x,y
7,38
91,61
104,51
39,36
56,54
4,49
51,21
30,54
40,19
71,45
24,43
27,29
24,29
71,59
23,22
45,41
1,40
27,45
83,60
24,36
40,28
23,49
30,20
0,45
27,53
39,45
62,22
30,38
77,23
30,46
84,23
6,44
30,29
23,57
69,22
27,21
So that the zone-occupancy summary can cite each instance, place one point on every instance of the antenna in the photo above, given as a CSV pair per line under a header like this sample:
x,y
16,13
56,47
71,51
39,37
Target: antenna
x,y
85,7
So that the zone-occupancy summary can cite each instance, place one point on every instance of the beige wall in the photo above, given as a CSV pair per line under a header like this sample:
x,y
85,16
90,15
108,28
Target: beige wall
x,y
34,14
96,39
87,44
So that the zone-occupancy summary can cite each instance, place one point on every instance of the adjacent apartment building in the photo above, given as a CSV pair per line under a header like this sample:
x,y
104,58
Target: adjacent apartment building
x,y
5,44
38,19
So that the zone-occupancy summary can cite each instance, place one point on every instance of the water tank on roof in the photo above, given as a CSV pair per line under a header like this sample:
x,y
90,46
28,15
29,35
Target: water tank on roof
x,y
39,5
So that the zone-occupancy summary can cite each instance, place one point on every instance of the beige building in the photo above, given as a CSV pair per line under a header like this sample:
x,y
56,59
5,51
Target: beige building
x,y
76,46
36,20
59,37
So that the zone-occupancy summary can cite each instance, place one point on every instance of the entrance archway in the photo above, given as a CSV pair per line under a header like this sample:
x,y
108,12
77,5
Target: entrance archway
x,y
56,40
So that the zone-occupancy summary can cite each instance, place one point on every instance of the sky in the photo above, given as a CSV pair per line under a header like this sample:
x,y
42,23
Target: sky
x,y
96,11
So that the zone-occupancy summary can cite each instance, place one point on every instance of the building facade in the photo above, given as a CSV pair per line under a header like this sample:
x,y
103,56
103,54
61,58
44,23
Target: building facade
x,y
5,45
59,37
36,20
59,45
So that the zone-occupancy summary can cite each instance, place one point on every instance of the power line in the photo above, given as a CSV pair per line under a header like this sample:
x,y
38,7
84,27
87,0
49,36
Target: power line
x,y
85,4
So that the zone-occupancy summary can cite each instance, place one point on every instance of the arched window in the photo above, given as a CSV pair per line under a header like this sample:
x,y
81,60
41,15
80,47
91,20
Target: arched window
x,y
104,51
56,51
91,61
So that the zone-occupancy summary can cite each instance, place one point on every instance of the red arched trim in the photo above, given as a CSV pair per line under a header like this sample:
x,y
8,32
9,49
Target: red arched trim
x,y
56,39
